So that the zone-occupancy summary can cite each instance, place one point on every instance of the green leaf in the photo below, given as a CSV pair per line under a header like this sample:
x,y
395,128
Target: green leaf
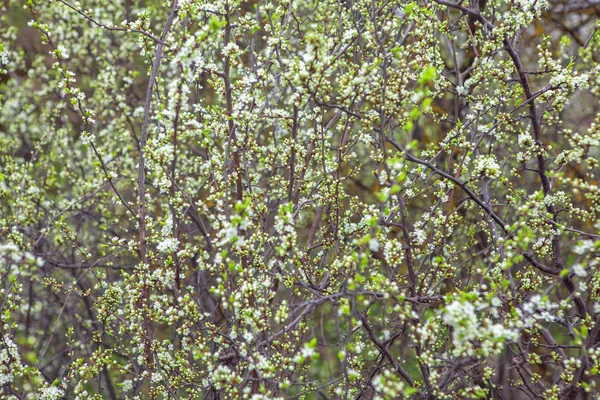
x,y
428,75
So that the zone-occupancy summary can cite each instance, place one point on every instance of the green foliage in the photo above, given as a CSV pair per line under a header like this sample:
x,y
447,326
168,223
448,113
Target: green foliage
x,y
308,199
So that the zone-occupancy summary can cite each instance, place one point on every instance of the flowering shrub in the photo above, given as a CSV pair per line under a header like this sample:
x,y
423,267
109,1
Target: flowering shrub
x,y
279,199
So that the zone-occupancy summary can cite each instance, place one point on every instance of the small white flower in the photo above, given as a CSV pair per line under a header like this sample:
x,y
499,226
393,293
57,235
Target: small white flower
x,y
419,236
51,393
168,245
496,302
579,270
231,50
374,245
525,140
583,247
486,166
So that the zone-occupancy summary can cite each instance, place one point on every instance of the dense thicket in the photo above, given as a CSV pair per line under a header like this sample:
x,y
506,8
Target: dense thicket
x,y
322,199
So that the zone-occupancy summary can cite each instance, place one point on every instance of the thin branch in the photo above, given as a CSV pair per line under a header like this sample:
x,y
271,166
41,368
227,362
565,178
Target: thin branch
x,y
456,181
113,28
